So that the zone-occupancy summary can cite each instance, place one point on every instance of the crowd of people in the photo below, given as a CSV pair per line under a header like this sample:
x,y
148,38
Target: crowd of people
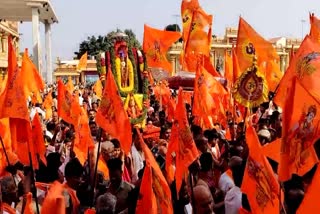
x,y
213,184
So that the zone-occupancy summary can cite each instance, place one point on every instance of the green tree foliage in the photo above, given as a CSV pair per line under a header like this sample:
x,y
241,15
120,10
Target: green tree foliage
x,y
96,45
173,27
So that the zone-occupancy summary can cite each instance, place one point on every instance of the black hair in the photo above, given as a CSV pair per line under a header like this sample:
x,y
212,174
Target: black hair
x,y
196,130
114,164
50,126
206,161
115,142
73,168
211,134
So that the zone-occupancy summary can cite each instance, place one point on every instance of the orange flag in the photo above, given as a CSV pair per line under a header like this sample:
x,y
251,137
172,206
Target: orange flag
x,y
310,201
38,140
188,8
158,199
228,68
208,94
181,143
203,103
305,66
235,66
111,115
156,44
314,28
34,83
13,100
301,120
83,139
196,28
68,105
47,105
273,75
149,200
28,209
6,139
97,88
272,150
259,181
70,86
250,44
3,83
83,62
54,201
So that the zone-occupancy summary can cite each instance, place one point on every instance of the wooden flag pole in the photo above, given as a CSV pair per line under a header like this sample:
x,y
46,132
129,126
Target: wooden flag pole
x,y
96,166
5,151
34,188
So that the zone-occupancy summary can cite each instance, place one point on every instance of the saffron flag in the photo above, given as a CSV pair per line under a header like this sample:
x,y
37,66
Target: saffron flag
x,y
272,150
13,100
196,28
259,182
112,117
310,201
156,44
34,83
228,68
98,88
47,105
273,74
250,44
208,95
181,143
188,8
5,135
157,199
306,67
199,39
83,139
28,209
301,120
69,85
148,199
236,71
68,106
38,140
314,28
54,201
83,62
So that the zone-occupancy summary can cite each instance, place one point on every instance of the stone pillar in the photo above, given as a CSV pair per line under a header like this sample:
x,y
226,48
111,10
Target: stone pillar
x,y
173,64
36,38
48,70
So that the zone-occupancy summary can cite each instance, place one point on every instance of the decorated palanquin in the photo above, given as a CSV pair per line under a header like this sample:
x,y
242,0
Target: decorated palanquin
x,y
128,67
185,80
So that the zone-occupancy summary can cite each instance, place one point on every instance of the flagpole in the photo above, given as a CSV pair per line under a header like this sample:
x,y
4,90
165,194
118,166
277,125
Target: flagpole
x,y
34,189
96,166
192,194
5,151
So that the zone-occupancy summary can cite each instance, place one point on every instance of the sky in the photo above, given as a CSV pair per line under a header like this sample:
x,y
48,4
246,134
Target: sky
x,y
79,19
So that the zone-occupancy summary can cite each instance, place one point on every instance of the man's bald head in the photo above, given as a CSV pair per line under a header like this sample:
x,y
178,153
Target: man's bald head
x,y
203,199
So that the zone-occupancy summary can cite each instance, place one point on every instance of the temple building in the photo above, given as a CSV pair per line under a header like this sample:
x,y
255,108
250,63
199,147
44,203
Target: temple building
x,y
218,47
7,28
221,44
68,68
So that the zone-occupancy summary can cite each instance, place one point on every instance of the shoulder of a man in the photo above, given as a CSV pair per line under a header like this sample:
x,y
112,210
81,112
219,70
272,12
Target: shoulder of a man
x,y
127,186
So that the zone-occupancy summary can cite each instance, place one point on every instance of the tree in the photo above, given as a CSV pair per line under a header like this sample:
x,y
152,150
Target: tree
x,y
173,27
96,45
